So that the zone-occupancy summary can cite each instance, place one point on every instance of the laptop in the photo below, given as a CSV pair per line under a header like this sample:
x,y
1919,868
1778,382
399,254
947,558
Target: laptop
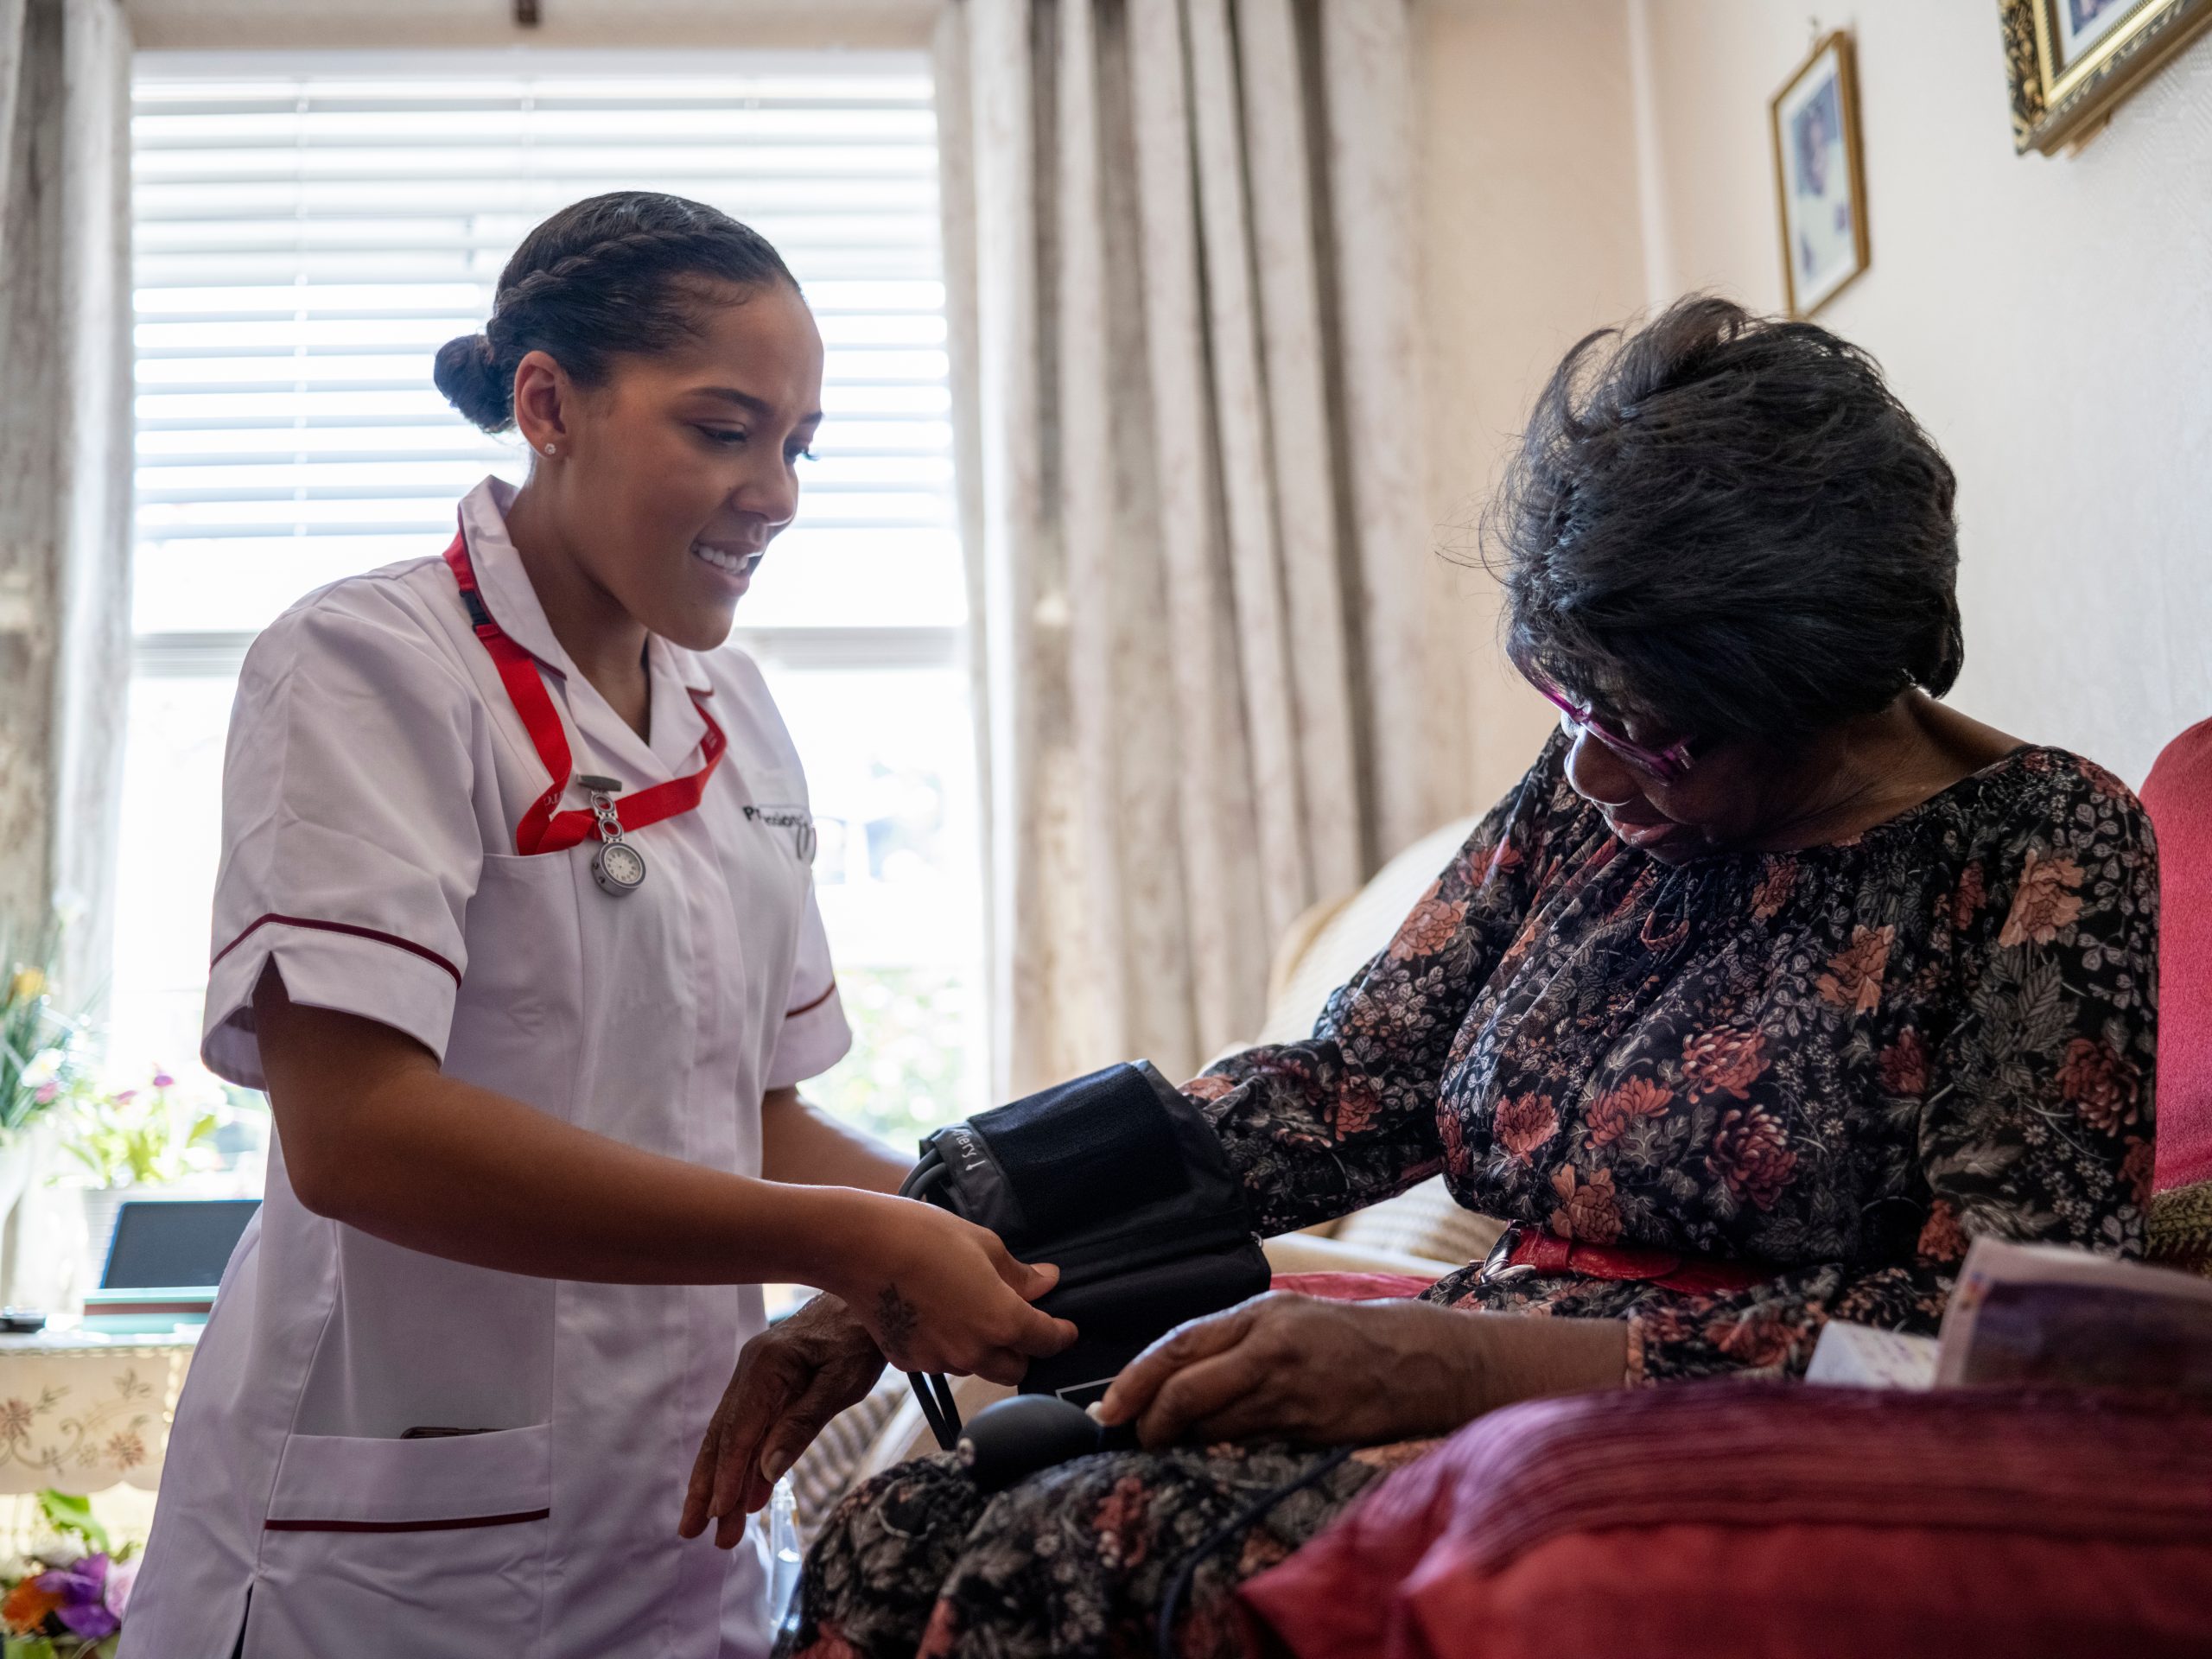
x,y
164,1261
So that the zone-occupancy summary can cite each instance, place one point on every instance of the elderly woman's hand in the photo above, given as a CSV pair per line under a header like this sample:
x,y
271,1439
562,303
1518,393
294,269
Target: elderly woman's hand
x,y
791,1380
1289,1367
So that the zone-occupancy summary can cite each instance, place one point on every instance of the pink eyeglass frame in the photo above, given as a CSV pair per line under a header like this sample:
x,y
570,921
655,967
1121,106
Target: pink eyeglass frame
x,y
1667,764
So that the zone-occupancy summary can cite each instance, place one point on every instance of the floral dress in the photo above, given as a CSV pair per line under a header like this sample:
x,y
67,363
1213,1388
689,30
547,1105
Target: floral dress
x,y
1830,1068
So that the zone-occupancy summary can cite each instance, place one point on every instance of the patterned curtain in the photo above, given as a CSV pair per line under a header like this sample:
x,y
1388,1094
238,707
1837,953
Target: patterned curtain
x,y
1182,305
65,466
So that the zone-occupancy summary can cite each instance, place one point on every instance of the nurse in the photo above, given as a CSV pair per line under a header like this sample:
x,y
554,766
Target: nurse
x,y
515,925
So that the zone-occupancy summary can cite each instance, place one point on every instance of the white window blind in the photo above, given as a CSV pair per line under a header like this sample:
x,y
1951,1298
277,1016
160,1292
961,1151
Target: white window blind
x,y
306,241
310,228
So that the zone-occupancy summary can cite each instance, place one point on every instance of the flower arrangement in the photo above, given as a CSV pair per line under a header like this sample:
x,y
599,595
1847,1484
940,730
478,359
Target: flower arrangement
x,y
43,1064
67,1601
140,1137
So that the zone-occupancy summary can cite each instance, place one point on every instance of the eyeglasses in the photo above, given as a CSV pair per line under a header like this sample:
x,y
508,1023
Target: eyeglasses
x,y
1667,764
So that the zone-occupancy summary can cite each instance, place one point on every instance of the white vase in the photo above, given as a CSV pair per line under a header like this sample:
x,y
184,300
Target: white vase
x,y
41,1231
19,1162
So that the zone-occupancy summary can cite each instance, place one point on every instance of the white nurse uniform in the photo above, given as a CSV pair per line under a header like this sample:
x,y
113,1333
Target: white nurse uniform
x,y
377,774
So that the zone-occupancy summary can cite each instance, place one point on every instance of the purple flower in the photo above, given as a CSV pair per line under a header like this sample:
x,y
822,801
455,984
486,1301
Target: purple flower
x,y
83,1589
121,1575
162,1080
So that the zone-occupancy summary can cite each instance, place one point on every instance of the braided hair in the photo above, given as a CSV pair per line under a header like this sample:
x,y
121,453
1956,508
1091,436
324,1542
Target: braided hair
x,y
604,276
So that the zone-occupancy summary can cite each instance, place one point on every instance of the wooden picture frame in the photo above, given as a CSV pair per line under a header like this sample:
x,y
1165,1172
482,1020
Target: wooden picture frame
x,y
2073,62
1819,181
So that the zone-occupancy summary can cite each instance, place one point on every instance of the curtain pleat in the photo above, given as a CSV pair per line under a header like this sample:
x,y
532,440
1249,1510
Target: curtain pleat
x,y
1247,467
1278,142
1366,69
1180,755
1224,930
64,468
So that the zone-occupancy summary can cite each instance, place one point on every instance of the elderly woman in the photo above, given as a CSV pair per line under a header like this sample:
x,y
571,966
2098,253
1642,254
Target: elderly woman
x,y
1772,984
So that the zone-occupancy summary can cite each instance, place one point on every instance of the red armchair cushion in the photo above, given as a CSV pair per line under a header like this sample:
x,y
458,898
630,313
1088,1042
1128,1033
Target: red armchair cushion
x,y
2178,796
1709,1521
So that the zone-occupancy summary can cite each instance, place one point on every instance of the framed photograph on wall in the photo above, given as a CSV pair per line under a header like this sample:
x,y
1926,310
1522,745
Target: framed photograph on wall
x,y
1820,187
2072,62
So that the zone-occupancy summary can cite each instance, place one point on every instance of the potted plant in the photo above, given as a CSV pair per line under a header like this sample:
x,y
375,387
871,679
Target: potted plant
x,y
133,1141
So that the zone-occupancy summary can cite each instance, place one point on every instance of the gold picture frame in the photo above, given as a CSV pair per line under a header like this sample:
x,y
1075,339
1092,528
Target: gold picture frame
x,y
2072,63
1819,181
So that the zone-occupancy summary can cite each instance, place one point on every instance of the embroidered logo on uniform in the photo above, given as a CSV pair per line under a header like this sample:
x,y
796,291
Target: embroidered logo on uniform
x,y
796,820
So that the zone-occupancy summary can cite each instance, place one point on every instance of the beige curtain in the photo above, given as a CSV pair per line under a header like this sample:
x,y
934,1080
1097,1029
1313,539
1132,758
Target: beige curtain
x,y
1181,290
64,465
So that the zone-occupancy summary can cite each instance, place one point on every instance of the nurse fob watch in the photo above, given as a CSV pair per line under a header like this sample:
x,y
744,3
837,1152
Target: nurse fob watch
x,y
619,867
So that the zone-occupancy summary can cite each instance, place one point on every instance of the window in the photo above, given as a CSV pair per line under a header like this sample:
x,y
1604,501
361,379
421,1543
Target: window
x,y
310,228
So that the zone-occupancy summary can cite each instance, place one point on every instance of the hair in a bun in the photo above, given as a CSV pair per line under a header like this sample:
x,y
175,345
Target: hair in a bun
x,y
468,372
603,276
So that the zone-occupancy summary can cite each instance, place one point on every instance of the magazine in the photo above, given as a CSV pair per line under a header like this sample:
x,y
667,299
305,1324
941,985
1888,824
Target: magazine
x,y
2044,1313
2040,1313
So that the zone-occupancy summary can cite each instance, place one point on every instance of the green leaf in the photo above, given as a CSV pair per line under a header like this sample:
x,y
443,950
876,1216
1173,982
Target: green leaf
x,y
66,1512
30,1646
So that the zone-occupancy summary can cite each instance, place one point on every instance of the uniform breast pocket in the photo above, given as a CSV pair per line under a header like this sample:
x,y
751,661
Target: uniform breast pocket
x,y
520,1005
432,1548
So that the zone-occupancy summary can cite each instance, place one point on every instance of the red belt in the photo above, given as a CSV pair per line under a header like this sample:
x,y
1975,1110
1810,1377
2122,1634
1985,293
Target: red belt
x,y
1695,1275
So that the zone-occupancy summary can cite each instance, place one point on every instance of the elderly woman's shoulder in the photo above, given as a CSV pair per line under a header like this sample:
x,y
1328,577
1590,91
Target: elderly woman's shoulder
x,y
2059,826
2040,781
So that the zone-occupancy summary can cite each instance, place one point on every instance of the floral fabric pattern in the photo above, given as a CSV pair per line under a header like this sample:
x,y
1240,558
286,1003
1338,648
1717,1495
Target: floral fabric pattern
x,y
1837,1066
83,1416
1842,1063
916,1562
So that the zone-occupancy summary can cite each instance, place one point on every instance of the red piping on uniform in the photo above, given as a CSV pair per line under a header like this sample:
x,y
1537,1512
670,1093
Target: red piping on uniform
x,y
810,1007
423,951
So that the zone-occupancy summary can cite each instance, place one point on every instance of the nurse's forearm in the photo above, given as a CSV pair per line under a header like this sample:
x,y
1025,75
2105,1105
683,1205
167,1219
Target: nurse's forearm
x,y
375,1136
801,1142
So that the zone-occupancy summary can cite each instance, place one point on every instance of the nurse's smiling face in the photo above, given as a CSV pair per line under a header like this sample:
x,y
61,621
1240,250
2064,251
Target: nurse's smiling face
x,y
668,479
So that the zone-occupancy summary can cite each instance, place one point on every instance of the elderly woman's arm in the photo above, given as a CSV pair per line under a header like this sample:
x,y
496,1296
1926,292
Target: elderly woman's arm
x,y
1297,1368
2035,1105
1347,1118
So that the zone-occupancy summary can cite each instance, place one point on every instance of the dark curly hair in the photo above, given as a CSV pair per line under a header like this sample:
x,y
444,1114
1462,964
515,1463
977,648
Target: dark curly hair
x,y
1728,523
612,274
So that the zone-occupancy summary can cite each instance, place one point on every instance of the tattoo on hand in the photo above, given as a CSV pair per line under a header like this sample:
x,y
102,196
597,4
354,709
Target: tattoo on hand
x,y
895,1314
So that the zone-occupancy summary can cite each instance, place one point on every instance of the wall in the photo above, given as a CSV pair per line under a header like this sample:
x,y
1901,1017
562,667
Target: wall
x,y
2050,319
1529,239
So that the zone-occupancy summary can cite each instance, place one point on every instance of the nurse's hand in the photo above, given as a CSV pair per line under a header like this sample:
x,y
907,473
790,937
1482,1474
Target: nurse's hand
x,y
939,1294
791,1380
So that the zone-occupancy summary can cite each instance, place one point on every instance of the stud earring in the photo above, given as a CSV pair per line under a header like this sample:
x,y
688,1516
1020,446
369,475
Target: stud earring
x,y
548,449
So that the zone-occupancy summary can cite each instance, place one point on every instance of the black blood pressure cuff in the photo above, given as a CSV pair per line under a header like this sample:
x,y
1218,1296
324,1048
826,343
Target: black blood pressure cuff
x,y
1117,1179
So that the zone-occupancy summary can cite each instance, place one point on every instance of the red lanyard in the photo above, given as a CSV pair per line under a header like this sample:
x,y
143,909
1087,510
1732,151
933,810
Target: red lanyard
x,y
543,829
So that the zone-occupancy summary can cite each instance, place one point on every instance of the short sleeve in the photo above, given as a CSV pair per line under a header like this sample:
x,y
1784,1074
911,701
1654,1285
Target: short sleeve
x,y
815,1035
351,841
